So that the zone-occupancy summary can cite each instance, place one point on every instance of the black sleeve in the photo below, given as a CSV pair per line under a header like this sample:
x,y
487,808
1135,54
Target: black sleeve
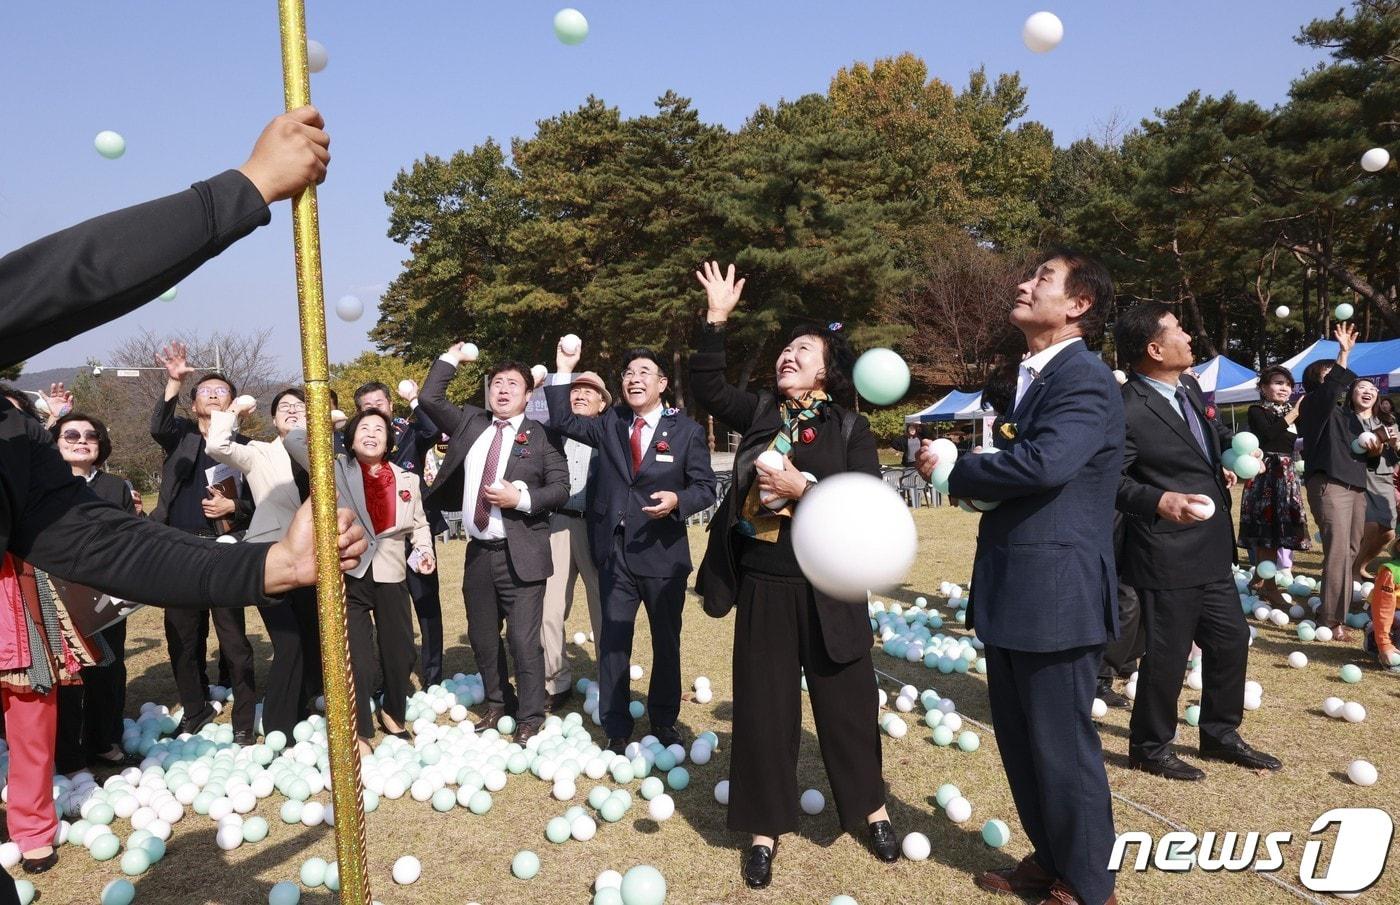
x,y
729,404
67,283
66,530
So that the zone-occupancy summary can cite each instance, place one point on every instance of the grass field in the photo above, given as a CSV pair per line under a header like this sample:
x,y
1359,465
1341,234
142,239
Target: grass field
x,y
467,857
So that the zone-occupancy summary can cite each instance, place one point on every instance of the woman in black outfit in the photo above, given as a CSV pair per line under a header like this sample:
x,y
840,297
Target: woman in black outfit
x,y
90,715
783,622
1272,516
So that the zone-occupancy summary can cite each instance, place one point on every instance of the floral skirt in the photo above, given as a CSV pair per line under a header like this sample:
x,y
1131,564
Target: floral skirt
x,y
1271,512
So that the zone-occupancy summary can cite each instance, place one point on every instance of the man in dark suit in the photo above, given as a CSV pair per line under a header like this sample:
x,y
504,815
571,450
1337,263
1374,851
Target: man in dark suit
x,y
1043,581
192,503
653,473
1178,550
413,438
508,474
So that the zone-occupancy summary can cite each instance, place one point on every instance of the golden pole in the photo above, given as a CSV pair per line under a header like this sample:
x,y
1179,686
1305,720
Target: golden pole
x,y
330,589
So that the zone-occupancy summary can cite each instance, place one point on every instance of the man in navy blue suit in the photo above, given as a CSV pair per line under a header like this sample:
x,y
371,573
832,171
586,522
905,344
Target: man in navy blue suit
x,y
653,473
1043,584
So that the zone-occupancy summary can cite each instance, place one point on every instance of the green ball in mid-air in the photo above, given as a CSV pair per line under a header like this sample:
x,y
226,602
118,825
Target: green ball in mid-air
x,y
570,26
881,376
109,144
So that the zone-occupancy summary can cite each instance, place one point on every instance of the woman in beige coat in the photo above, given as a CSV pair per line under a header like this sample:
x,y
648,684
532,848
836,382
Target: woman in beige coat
x,y
386,500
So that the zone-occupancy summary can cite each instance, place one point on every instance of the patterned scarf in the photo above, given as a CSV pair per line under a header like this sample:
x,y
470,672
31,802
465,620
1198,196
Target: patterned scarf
x,y
1279,408
757,520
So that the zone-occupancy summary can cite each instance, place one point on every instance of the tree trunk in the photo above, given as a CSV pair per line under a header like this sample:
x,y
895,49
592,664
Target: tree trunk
x,y
1319,254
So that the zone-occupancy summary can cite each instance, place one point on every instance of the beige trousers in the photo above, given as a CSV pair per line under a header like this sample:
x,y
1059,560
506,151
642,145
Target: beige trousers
x,y
568,546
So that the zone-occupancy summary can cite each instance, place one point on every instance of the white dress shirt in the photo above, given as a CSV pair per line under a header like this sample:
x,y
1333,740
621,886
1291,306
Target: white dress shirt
x,y
476,464
580,456
1032,365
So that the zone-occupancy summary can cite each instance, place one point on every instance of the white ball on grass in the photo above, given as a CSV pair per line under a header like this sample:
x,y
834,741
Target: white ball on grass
x,y
916,847
813,802
1362,772
407,870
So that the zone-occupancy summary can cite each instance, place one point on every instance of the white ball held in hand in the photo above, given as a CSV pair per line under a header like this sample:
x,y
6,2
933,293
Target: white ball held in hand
x,y
569,344
1202,508
245,401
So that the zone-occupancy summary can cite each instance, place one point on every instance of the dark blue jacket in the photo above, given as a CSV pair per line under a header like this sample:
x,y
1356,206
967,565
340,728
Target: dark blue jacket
x,y
1044,579
657,548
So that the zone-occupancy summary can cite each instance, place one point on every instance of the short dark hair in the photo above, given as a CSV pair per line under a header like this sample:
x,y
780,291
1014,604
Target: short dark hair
x,y
518,366
212,375
294,392
1385,410
1315,373
1087,278
1267,375
22,400
632,355
365,389
838,357
104,438
354,423
1136,328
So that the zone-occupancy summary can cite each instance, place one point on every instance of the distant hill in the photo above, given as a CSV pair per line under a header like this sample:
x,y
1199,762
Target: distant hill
x,y
35,380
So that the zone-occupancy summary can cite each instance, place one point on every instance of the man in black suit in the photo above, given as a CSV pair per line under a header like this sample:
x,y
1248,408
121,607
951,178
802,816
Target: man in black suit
x,y
508,474
192,503
1178,550
653,473
413,438
1043,581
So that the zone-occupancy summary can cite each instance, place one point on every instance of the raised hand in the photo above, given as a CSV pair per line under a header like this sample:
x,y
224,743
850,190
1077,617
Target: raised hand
x,y
566,362
58,399
1345,334
721,290
243,405
174,358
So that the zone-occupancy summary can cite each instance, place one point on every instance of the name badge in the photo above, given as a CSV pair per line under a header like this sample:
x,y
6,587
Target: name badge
x,y
663,458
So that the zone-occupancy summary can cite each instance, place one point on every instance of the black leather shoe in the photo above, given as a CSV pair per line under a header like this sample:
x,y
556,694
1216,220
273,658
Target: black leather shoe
x,y
245,737
526,732
1242,755
488,721
1168,766
617,745
556,702
192,724
758,866
883,842
40,865
1110,697
667,736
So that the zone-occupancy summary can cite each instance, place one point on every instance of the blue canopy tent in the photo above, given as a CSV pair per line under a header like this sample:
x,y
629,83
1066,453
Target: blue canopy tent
x,y
1379,361
1220,373
956,406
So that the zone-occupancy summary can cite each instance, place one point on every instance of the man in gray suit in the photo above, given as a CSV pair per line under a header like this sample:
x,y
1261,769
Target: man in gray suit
x,y
508,474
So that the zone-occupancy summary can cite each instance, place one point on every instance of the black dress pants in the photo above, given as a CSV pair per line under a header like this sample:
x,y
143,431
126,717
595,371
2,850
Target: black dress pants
x,y
496,595
1210,616
1121,656
378,621
296,660
1053,758
90,714
777,632
183,636
427,606
623,592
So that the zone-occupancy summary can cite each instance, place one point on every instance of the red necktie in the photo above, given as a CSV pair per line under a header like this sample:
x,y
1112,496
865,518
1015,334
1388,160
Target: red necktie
x,y
637,444
488,477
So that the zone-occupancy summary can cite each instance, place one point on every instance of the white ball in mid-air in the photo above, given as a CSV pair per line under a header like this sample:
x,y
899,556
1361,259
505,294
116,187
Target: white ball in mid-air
x,y
316,56
853,534
1043,32
349,308
1375,160
1282,311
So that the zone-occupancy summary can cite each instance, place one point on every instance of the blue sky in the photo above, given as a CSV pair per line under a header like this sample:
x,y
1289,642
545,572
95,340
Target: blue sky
x,y
190,84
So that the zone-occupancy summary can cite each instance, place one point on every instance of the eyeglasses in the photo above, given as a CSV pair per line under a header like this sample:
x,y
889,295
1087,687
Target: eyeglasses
x,y
290,408
642,374
211,391
73,436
